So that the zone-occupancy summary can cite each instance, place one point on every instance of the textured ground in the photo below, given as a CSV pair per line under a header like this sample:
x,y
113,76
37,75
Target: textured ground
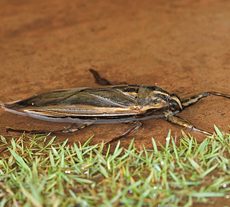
x,y
182,46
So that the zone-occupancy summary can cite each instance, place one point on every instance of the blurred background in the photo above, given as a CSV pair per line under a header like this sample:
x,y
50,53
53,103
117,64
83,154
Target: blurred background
x,y
182,46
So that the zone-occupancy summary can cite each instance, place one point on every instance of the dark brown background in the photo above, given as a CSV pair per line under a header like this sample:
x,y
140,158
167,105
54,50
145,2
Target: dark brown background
x,y
182,46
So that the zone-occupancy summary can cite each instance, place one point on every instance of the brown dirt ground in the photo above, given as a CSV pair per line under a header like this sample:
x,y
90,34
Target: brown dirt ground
x,y
182,46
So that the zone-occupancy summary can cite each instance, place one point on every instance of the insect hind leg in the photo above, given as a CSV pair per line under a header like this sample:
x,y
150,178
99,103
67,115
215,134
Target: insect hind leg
x,y
102,81
194,99
98,79
70,129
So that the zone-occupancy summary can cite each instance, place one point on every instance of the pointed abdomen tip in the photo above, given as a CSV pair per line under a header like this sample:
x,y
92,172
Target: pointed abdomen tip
x,y
1,104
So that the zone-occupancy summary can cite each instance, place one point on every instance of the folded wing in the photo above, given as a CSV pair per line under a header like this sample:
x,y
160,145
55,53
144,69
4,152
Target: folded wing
x,y
79,102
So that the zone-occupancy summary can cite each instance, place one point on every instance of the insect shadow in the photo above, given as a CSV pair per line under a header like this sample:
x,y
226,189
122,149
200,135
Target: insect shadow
x,y
111,103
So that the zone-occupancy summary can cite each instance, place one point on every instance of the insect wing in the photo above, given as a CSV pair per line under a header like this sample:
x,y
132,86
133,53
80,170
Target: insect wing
x,y
88,102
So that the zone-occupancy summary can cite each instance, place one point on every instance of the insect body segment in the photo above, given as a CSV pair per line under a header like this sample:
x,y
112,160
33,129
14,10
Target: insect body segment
x,y
108,104
101,103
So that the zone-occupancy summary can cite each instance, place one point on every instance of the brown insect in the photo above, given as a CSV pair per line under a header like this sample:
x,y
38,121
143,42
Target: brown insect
x,y
112,103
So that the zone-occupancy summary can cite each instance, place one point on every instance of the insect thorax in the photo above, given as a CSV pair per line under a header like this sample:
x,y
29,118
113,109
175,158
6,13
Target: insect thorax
x,y
156,98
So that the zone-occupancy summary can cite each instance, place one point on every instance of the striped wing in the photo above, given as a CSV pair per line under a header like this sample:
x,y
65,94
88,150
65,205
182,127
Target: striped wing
x,y
79,102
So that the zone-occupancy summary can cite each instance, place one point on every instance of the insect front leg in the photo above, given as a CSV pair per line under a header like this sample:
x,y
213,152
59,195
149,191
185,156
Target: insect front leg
x,y
194,99
136,126
181,122
70,129
102,81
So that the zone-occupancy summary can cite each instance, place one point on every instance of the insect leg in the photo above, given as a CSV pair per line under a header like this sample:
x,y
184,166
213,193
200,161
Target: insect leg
x,y
98,79
194,99
71,129
136,126
181,122
102,81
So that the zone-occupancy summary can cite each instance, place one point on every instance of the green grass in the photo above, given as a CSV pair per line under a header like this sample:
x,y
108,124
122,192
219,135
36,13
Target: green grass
x,y
39,171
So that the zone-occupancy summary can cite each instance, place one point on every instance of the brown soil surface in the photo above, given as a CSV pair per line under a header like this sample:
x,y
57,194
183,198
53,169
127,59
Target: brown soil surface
x,y
181,46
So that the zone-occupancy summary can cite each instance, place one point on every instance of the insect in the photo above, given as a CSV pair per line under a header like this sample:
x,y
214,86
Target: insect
x,y
119,103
